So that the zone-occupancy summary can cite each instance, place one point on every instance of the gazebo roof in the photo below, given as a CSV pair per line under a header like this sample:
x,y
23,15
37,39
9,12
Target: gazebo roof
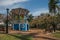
x,y
19,11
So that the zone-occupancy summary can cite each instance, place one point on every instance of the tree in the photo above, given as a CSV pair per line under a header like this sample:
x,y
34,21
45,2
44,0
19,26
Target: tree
x,y
46,22
52,6
58,8
30,17
52,9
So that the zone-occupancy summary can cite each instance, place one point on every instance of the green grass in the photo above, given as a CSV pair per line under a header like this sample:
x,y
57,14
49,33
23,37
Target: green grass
x,y
57,34
14,37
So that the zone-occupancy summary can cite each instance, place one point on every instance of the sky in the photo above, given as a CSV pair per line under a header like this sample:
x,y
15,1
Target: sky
x,y
36,7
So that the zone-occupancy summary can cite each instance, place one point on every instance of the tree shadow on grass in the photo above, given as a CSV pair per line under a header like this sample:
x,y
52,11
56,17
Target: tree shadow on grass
x,y
22,37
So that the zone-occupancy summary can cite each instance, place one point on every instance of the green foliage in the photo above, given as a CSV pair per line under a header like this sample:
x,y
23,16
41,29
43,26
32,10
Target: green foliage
x,y
30,18
53,5
46,21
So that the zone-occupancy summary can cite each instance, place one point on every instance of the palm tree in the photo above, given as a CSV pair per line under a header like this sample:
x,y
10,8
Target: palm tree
x,y
58,9
30,17
52,9
52,6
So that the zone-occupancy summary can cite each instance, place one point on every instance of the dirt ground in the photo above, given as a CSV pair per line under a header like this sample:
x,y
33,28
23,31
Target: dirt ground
x,y
37,34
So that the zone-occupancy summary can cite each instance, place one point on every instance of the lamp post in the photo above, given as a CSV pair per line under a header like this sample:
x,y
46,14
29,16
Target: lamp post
x,y
7,21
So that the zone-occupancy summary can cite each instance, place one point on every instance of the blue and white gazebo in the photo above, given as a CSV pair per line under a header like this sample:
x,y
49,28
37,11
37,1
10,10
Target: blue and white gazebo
x,y
18,25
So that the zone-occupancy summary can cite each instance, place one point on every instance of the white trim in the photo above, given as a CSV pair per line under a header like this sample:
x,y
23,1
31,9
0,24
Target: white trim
x,y
19,27
25,28
13,26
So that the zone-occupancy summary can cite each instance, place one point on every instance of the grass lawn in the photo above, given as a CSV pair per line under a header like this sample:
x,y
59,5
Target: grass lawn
x,y
57,34
14,37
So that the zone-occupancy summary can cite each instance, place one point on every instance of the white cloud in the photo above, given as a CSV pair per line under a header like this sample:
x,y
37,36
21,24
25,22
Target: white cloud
x,y
10,2
39,11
